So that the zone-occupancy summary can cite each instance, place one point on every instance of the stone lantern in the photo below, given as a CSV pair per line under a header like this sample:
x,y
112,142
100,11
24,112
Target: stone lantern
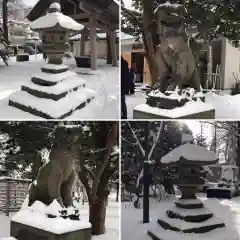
x,y
189,214
54,27
56,92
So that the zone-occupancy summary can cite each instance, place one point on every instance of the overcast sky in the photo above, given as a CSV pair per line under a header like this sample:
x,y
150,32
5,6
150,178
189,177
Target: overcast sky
x,y
127,3
30,2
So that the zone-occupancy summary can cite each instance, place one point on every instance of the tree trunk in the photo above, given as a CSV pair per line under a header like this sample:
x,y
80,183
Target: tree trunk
x,y
5,19
238,148
97,215
36,166
109,52
117,196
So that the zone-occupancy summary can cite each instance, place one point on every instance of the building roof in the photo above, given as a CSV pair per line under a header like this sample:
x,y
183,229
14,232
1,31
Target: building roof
x,y
107,11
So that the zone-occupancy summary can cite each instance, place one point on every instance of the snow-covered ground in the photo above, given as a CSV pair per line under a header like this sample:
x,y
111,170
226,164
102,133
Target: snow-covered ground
x,y
226,106
227,210
105,81
112,221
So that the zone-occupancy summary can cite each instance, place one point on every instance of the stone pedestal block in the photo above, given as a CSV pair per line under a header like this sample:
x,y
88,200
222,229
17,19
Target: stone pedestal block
x,y
200,111
83,61
25,232
22,57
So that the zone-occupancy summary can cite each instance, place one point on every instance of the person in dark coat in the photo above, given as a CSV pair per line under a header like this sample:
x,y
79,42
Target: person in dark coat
x,y
125,86
132,78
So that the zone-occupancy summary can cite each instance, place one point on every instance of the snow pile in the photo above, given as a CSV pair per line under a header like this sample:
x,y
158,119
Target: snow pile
x,y
132,219
51,19
55,66
190,152
36,216
172,95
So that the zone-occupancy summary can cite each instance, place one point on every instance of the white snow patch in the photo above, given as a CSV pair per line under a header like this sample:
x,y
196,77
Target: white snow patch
x,y
189,108
35,182
52,19
55,109
190,152
55,225
173,95
36,216
55,66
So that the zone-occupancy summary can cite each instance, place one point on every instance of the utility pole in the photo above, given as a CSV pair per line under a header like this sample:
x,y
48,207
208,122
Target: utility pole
x,y
146,177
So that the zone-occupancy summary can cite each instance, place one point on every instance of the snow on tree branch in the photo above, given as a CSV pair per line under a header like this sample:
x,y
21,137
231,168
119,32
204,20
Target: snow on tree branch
x,y
155,140
136,138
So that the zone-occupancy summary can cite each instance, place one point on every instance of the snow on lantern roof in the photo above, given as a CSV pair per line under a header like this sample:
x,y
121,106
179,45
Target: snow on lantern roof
x,y
190,152
54,17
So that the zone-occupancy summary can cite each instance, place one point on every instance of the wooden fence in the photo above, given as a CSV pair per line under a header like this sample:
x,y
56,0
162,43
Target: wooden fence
x,y
12,193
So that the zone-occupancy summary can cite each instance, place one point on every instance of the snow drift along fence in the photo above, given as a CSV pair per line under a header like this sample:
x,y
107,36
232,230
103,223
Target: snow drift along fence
x,y
12,193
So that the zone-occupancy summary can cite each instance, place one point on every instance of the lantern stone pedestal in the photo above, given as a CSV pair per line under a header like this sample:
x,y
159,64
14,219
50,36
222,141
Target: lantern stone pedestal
x,y
189,214
56,92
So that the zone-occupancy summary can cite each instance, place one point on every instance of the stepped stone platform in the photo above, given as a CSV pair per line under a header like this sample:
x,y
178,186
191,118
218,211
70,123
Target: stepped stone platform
x,y
184,218
53,94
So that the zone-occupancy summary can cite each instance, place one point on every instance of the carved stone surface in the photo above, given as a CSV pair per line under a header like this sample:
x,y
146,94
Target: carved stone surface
x,y
55,178
181,67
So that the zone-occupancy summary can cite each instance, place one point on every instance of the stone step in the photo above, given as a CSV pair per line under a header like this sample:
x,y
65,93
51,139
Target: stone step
x,y
49,79
155,232
53,68
189,203
190,215
187,227
153,236
57,91
51,109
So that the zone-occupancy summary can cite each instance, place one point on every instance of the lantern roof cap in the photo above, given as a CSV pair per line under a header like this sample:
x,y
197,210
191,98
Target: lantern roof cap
x,y
55,18
191,153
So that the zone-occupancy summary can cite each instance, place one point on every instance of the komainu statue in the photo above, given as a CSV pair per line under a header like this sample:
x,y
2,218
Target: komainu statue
x,y
178,66
56,177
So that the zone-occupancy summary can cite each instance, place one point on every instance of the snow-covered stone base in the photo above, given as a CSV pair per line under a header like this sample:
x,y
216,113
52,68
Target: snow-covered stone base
x,y
51,109
158,233
57,91
191,110
33,223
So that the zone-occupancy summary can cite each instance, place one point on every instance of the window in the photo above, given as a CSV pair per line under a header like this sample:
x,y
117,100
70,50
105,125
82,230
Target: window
x,y
61,37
